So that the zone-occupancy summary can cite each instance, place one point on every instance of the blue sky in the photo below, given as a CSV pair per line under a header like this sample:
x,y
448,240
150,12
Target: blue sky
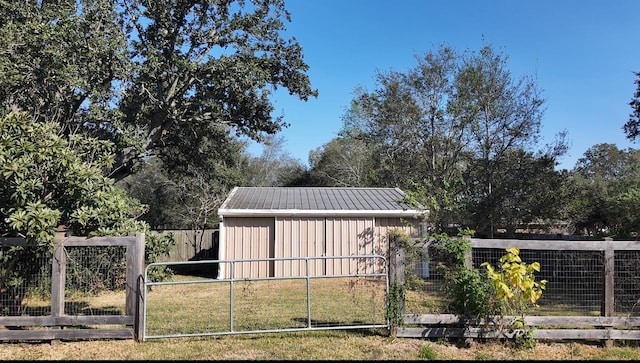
x,y
583,54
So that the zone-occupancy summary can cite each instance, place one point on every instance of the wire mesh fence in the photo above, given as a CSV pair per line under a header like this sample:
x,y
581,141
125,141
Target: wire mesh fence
x,y
94,283
307,300
25,281
575,281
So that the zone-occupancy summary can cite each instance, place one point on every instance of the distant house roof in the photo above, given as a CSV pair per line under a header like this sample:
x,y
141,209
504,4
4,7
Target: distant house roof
x,y
316,201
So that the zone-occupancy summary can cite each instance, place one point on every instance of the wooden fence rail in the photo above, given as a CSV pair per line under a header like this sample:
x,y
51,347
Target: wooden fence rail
x,y
58,320
606,327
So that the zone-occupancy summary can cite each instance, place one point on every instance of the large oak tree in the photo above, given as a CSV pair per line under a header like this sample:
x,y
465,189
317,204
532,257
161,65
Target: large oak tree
x,y
158,78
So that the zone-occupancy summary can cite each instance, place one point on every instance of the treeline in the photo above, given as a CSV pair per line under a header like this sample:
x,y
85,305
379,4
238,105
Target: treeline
x,y
458,134
142,112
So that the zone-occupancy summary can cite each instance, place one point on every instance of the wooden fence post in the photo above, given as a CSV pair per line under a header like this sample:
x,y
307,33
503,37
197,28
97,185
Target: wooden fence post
x,y
608,295
135,284
58,276
396,284
468,256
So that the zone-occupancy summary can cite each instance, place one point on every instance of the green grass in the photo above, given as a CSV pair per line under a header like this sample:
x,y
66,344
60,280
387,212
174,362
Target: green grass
x,y
205,308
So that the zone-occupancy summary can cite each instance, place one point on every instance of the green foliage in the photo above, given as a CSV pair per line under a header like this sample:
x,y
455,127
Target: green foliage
x,y
525,188
459,134
470,294
632,126
449,253
604,187
343,161
47,181
427,353
395,308
146,75
413,254
515,285
515,281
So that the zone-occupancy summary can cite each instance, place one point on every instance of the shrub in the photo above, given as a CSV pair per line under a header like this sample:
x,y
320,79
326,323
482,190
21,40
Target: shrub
x,y
515,285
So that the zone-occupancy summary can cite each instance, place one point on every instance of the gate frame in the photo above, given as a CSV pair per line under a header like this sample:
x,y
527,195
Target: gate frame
x,y
58,319
383,273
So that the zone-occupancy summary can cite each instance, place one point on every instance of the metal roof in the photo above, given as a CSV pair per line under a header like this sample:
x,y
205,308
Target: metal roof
x,y
291,201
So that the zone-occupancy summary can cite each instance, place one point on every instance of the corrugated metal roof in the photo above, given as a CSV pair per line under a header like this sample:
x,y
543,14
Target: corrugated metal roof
x,y
315,200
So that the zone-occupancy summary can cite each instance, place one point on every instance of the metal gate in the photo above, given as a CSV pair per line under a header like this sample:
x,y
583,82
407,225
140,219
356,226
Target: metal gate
x,y
200,303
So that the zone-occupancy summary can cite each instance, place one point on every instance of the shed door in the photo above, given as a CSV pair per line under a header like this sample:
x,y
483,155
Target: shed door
x,y
299,237
349,236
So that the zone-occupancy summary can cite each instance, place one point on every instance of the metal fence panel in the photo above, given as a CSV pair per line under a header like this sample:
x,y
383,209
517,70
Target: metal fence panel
x,y
207,305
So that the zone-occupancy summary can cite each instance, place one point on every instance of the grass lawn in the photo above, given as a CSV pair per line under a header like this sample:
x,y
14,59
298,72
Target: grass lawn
x,y
198,307
328,345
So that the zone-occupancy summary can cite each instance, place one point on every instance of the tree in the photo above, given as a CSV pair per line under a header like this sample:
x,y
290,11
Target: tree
x,y
415,142
502,115
445,129
342,162
632,127
187,193
159,78
274,167
527,188
47,181
605,188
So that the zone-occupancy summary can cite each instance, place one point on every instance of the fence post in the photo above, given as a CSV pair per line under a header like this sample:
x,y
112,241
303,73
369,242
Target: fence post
x,y
468,256
396,305
608,307
135,284
58,275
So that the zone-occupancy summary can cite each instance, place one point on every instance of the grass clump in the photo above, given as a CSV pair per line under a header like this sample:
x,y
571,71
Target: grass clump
x,y
428,353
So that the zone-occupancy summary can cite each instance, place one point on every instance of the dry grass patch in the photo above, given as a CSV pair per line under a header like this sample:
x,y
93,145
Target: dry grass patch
x,y
328,345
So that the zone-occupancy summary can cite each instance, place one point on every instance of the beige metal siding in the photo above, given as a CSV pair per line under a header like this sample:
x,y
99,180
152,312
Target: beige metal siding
x,y
348,236
299,237
250,238
384,225
287,237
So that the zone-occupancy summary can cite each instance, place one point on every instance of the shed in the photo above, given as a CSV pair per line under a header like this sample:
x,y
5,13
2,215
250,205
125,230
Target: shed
x,y
279,225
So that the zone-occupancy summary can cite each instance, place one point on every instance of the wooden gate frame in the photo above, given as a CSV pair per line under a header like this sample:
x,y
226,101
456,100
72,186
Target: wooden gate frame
x,y
58,320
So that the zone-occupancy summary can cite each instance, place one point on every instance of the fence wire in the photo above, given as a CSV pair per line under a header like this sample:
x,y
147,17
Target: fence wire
x,y
191,305
94,284
25,281
575,282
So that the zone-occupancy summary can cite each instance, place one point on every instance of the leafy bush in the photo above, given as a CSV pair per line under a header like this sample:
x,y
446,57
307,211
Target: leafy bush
x,y
47,181
515,286
470,293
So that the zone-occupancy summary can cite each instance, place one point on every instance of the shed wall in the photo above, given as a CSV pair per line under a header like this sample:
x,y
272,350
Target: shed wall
x,y
286,237
349,236
249,238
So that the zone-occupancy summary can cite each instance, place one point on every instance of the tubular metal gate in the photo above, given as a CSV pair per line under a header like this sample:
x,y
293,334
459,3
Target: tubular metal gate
x,y
196,302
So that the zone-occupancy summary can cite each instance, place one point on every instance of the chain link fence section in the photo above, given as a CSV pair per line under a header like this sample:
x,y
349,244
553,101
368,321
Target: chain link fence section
x,y
205,305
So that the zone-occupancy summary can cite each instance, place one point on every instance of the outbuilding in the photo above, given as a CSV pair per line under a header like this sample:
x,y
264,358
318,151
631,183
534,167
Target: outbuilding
x,y
289,231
